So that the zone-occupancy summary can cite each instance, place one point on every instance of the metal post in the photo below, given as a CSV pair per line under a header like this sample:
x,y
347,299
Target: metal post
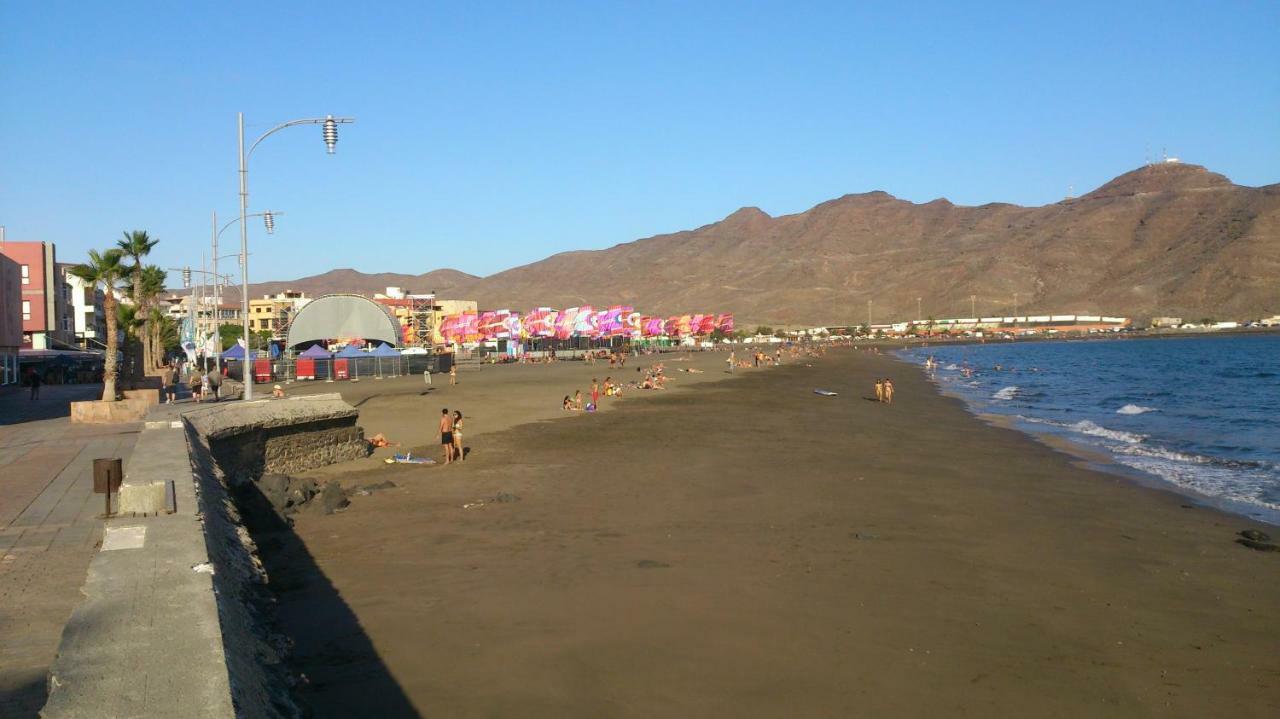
x,y
217,290
247,373
868,316
1015,306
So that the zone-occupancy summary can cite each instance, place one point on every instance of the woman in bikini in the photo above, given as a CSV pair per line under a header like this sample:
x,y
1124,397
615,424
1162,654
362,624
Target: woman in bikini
x,y
458,452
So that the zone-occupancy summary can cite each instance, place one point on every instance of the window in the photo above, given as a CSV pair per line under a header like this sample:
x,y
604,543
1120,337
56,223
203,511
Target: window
x,y
26,305
26,274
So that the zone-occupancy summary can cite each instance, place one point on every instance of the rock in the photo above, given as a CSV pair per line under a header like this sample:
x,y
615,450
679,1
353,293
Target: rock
x,y
332,498
861,535
651,564
505,498
1260,546
275,489
1256,535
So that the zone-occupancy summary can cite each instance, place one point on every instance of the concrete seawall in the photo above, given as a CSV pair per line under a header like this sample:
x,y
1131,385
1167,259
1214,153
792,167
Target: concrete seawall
x,y
176,620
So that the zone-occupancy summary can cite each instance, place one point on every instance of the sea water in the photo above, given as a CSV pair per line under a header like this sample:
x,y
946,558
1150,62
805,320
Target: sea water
x,y
1197,414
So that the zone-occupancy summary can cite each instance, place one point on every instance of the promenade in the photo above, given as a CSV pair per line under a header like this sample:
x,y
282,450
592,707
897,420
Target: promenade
x,y
49,528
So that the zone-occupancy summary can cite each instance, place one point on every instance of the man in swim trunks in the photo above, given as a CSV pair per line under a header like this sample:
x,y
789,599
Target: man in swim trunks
x,y
446,435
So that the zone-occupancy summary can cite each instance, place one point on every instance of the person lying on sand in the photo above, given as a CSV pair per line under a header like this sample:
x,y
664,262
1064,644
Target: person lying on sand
x,y
378,440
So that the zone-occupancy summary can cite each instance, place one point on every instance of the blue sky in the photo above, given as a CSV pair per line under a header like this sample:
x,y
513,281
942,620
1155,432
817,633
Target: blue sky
x,y
491,136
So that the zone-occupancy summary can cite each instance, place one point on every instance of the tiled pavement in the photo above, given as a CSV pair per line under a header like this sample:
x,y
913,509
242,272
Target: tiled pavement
x,y
49,529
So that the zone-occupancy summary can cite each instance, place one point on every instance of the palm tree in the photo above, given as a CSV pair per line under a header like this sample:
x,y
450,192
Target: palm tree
x,y
153,279
135,246
106,269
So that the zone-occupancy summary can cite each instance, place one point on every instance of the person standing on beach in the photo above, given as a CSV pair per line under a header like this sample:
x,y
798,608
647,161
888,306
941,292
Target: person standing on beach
x,y
888,391
458,451
577,399
879,390
732,358
453,374
595,392
446,435
33,378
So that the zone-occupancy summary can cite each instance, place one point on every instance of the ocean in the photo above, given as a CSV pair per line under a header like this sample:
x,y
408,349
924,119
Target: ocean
x,y
1200,415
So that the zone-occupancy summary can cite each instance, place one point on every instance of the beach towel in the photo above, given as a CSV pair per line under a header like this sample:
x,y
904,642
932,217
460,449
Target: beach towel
x,y
826,393
408,458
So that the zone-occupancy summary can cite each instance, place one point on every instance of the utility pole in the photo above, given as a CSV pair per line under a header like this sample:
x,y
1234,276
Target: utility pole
x,y
973,305
918,314
868,315
1015,305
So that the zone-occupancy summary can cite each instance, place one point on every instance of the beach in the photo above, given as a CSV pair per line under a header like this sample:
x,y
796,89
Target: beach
x,y
740,546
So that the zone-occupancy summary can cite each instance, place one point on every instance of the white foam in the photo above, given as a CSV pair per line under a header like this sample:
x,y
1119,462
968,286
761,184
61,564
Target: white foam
x,y
1005,394
951,367
1095,430
1135,409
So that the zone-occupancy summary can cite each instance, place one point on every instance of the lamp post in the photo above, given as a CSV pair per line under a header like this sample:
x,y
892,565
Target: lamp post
x,y
268,219
330,134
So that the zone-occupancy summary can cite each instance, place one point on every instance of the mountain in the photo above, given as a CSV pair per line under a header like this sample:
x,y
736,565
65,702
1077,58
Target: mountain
x,y
1162,239
353,281
1169,238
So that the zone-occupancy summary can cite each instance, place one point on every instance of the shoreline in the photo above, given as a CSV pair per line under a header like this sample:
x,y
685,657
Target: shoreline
x,y
1096,458
751,549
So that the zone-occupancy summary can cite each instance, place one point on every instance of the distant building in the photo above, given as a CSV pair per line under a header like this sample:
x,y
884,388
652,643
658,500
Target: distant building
x,y
1166,321
10,319
85,308
46,323
273,313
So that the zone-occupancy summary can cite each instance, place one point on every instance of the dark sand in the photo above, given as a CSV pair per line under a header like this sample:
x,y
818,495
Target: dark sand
x,y
747,548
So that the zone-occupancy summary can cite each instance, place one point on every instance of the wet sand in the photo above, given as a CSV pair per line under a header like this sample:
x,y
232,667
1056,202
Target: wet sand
x,y
744,547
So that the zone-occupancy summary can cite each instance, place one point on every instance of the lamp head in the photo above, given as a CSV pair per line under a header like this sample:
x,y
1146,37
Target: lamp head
x,y
330,133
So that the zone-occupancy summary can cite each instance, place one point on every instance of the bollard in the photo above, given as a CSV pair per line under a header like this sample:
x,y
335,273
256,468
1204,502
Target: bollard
x,y
107,475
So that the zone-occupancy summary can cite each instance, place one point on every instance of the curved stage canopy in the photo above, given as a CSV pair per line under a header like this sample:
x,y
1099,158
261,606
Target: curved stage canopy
x,y
334,317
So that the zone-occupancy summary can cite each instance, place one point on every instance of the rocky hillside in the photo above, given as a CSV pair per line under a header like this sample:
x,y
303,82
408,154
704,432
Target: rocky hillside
x,y
443,282
1163,239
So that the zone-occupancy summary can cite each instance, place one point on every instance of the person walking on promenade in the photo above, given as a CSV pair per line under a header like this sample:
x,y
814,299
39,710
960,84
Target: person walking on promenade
x,y
453,374
446,435
169,376
215,383
458,451
194,381
33,378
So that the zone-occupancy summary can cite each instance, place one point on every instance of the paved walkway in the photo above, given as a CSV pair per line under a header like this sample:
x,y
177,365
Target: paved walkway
x,y
49,529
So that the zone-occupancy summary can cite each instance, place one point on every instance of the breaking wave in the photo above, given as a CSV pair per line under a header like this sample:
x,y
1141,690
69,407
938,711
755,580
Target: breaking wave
x,y
1006,394
1135,409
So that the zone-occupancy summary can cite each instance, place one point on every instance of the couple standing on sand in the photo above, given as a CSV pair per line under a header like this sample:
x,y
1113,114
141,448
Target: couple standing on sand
x,y
451,436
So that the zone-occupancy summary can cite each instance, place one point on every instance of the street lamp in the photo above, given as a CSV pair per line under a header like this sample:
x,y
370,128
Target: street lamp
x,y
330,134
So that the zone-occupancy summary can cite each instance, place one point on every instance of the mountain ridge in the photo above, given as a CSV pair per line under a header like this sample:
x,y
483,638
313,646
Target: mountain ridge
x,y
1170,238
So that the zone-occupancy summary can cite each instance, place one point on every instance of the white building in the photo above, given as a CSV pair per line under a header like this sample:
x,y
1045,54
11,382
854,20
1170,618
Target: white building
x,y
85,315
